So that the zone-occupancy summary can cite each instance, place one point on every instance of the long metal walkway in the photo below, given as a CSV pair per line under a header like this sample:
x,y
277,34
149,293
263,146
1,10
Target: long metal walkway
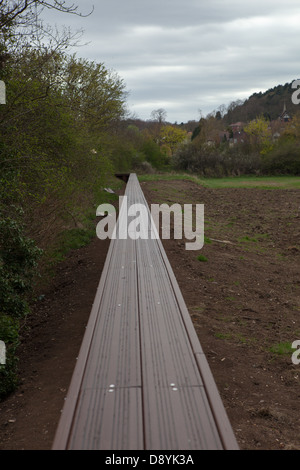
x,y
141,381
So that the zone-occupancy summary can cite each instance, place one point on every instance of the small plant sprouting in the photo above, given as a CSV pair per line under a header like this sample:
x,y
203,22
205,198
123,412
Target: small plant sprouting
x,y
202,258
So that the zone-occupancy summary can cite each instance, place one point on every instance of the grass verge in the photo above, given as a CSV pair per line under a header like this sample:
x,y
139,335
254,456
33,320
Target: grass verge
x,y
263,182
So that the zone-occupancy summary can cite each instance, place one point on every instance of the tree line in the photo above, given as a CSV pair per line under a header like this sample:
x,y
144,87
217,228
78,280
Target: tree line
x,y
257,147
60,143
64,132
54,132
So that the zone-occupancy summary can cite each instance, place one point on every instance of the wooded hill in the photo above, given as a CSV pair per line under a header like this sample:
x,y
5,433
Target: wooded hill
x,y
269,103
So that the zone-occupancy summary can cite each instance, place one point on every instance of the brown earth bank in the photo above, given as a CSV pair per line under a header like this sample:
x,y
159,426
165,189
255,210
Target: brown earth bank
x,y
243,299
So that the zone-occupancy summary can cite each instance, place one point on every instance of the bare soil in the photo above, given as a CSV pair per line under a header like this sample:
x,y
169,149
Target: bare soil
x,y
244,302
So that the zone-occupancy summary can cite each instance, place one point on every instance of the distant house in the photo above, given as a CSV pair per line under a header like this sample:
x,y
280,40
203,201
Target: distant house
x,y
237,133
277,126
216,137
237,127
224,136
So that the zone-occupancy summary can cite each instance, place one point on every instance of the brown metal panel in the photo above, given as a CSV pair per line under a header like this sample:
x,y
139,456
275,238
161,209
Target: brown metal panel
x,y
65,422
108,419
141,380
163,333
109,355
114,352
178,418
177,412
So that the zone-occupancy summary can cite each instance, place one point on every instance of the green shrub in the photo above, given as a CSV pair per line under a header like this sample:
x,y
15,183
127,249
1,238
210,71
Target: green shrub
x,y
18,262
9,333
285,159
214,162
152,153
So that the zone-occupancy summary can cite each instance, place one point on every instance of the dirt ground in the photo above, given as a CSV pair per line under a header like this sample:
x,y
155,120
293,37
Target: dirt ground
x,y
244,301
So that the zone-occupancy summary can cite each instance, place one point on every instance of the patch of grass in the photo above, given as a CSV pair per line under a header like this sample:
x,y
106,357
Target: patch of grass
x,y
78,237
202,258
242,339
71,240
254,239
170,177
280,257
263,182
235,337
247,239
282,349
198,309
223,335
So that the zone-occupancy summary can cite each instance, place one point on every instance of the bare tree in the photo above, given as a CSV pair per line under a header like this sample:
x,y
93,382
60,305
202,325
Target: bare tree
x,y
25,12
159,115
21,27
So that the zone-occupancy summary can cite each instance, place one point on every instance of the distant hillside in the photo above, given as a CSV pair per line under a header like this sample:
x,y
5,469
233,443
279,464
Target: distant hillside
x,y
269,103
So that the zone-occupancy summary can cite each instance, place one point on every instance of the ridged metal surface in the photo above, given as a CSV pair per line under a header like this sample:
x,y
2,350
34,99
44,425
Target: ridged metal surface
x,y
141,379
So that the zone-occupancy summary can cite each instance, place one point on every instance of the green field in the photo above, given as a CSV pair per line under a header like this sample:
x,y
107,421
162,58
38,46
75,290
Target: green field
x,y
263,182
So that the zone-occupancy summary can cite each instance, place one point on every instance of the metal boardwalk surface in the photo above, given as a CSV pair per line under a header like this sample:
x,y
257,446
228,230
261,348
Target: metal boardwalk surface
x,y
141,380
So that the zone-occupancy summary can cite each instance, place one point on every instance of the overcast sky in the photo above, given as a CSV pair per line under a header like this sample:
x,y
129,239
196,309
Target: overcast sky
x,y
190,55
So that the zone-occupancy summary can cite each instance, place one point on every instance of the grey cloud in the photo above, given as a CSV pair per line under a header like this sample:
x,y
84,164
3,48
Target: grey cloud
x,y
193,54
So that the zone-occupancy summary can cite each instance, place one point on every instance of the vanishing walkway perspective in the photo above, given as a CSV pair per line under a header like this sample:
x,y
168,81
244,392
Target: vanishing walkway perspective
x,y
141,381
